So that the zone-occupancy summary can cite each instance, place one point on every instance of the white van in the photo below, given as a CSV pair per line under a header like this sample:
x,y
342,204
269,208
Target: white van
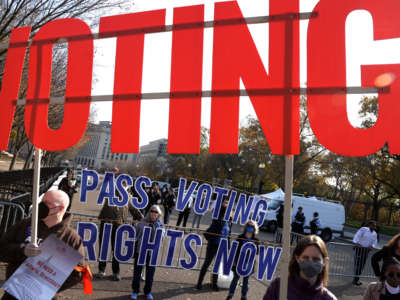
x,y
331,214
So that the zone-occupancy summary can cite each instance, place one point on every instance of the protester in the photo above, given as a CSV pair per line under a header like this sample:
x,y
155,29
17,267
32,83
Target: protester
x,y
154,195
365,239
248,236
152,220
308,272
197,217
184,215
168,203
16,246
388,288
315,223
298,221
115,215
279,216
391,249
68,185
219,228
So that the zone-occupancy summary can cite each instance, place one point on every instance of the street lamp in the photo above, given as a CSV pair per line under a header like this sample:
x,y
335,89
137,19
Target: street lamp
x,y
190,168
261,168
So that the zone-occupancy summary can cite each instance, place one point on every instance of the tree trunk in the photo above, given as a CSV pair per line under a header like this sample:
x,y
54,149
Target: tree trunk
x,y
15,155
29,158
366,208
390,214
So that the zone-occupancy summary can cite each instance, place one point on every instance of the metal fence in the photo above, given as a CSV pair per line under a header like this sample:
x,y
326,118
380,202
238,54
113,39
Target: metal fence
x,y
341,255
10,213
16,186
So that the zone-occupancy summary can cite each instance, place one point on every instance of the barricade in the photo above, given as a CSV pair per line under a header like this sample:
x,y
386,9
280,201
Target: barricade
x,y
341,257
10,213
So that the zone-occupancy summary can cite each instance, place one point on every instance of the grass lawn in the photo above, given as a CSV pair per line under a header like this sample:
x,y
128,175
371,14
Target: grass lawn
x,y
387,230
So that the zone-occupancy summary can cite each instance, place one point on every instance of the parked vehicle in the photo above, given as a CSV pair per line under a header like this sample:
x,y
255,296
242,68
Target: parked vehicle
x,y
331,214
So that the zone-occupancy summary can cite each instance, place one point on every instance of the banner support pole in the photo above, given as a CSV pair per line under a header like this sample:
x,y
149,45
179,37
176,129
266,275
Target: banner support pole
x,y
35,195
285,255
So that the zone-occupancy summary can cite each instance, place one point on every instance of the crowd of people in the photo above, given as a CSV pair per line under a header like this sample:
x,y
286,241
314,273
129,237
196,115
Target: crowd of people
x,y
308,267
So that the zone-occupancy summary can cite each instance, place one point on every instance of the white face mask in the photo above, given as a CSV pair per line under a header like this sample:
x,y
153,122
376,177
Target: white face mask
x,y
392,290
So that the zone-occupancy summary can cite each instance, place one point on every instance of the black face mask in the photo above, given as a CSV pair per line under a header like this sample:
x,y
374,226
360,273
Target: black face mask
x,y
43,211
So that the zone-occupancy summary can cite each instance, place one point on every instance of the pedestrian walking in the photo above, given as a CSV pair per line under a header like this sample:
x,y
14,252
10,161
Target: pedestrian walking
x,y
388,288
154,196
152,220
308,272
279,216
391,249
248,236
219,228
315,223
184,214
365,239
197,217
68,185
169,203
298,221
16,246
115,215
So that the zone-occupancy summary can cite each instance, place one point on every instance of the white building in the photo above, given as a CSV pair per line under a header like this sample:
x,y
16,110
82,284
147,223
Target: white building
x,y
153,150
96,153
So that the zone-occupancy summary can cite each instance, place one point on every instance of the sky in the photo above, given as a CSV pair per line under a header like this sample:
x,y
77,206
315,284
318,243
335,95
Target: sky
x,y
360,50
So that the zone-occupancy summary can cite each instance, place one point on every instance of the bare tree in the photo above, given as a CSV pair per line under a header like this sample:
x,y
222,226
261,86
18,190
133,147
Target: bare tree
x,y
19,13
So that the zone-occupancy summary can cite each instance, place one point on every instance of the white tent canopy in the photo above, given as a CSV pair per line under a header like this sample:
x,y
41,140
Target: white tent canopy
x,y
278,194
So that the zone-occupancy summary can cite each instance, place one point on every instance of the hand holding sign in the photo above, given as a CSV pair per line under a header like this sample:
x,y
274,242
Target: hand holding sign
x,y
31,250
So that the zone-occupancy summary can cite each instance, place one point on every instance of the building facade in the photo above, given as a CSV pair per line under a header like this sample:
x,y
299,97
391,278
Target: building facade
x,y
96,152
153,150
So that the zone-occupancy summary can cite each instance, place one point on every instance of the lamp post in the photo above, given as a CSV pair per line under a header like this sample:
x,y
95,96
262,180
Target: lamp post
x,y
261,168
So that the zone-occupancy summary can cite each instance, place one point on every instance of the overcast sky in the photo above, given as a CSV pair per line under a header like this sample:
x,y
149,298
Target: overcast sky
x,y
157,58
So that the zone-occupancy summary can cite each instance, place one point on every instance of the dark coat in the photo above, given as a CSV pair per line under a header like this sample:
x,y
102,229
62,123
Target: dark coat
x,y
241,239
169,202
383,254
299,289
63,186
212,234
117,214
13,242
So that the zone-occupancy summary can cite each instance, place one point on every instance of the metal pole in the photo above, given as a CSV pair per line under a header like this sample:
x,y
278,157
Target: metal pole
x,y
35,195
285,255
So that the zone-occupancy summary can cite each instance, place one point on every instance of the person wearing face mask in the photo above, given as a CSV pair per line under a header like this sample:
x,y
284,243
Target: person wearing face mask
x,y
153,220
248,236
116,215
308,272
16,246
219,228
388,288
391,249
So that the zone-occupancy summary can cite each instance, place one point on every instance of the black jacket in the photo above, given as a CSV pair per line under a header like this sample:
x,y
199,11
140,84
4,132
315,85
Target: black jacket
x,y
384,253
14,240
169,202
215,229
241,239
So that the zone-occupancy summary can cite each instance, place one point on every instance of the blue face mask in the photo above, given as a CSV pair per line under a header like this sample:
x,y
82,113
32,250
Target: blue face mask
x,y
250,229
